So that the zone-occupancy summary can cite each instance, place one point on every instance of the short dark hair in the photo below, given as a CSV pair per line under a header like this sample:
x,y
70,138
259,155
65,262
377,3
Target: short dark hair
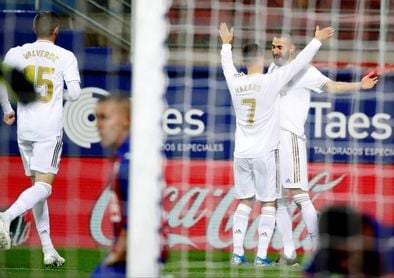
x,y
119,98
45,23
288,36
338,224
251,51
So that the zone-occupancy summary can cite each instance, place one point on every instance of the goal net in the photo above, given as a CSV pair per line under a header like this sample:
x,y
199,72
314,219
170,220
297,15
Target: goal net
x,y
349,137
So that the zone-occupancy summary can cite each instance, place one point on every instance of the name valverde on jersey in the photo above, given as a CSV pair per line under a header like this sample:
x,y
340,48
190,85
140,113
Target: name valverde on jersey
x,y
41,53
48,66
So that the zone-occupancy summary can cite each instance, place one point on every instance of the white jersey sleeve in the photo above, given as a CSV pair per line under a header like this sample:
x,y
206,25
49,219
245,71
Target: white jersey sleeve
x,y
71,72
73,91
4,102
314,80
227,61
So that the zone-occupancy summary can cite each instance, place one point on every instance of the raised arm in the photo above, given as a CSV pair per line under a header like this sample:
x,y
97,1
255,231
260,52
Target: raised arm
x,y
367,82
227,36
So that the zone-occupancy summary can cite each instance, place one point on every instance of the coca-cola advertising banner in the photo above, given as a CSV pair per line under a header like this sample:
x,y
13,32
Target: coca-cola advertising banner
x,y
198,201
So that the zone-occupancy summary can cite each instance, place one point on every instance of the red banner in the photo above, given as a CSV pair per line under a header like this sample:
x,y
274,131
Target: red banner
x,y
198,201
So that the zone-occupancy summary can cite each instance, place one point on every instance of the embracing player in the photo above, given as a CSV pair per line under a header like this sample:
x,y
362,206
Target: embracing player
x,y
255,98
294,107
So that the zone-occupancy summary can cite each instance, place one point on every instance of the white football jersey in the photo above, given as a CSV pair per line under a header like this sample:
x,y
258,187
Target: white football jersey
x,y
295,98
48,66
255,100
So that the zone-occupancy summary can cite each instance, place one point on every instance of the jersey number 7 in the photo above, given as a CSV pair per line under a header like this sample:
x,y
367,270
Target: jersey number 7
x,y
251,102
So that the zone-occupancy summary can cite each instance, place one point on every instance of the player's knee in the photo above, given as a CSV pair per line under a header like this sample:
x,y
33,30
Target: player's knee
x,y
282,203
248,201
46,187
301,199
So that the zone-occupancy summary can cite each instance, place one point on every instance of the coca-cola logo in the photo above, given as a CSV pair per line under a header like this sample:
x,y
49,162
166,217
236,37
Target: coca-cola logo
x,y
200,217
98,218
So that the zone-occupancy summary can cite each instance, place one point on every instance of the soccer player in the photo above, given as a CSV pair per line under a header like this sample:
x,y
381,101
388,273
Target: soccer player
x,y
40,125
294,106
255,99
113,124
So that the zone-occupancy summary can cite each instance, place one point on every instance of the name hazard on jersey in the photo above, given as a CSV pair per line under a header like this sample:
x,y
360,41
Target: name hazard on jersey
x,y
40,53
247,88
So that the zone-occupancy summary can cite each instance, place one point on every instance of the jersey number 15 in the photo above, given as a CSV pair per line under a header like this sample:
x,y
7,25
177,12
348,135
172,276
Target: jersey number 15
x,y
36,75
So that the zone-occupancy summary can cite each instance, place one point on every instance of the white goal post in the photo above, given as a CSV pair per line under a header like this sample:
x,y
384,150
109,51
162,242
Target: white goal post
x,y
148,86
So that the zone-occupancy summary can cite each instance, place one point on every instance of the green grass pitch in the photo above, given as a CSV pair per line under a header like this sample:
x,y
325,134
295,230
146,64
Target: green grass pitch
x,y
216,263
22,262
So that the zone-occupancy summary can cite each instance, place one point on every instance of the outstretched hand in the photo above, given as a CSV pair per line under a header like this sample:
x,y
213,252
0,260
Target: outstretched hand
x,y
225,34
369,81
324,33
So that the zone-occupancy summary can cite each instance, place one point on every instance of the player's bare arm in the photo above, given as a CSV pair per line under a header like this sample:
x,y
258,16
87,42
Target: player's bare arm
x,y
118,252
9,118
368,82
324,33
225,34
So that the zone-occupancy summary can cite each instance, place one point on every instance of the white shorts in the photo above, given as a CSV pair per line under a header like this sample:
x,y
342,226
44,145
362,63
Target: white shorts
x,y
41,156
293,161
257,177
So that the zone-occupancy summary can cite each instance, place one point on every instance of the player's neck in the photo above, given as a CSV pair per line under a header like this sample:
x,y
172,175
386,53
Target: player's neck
x,y
289,60
255,69
50,39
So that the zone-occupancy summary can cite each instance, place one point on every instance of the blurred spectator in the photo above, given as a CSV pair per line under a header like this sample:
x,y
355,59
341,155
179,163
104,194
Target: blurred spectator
x,y
352,244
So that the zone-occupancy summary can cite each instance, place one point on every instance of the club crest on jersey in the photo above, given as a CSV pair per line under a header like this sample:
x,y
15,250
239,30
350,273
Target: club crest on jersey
x,y
239,74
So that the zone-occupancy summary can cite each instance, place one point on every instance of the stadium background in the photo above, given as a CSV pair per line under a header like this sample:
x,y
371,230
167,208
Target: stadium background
x,y
350,141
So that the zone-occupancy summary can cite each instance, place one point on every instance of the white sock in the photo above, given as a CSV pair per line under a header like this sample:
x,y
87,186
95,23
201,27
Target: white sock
x,y
285,228
240,224
309,216
41,217
27,200
266,229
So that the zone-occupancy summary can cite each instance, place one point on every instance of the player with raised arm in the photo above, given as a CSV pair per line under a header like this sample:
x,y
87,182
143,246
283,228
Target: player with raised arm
x,y
294,107
255,98
40,125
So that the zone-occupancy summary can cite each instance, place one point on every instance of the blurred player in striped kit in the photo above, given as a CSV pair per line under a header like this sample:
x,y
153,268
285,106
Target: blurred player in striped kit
x,y
255,98
294,107
40,125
